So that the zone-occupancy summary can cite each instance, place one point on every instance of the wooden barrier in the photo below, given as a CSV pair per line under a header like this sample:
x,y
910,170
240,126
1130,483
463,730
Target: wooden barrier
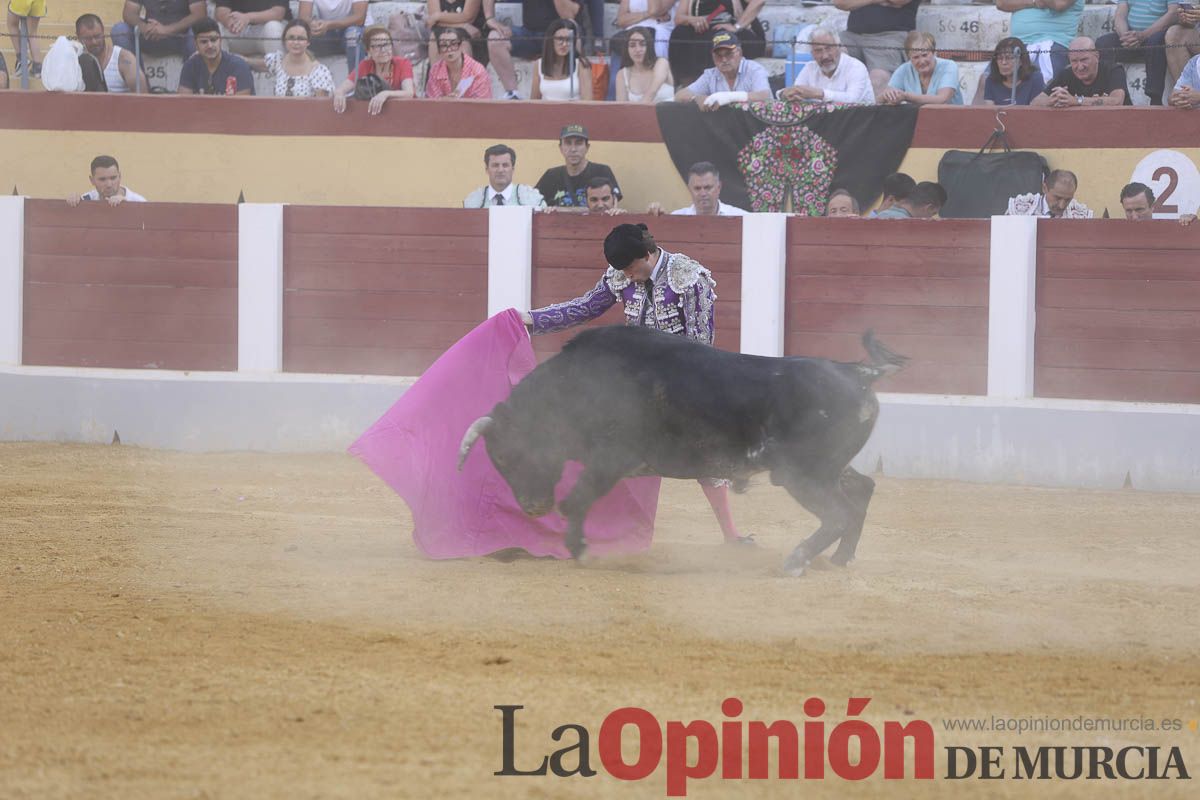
x,y
568,259
1118,311
380,291
922,286
141,285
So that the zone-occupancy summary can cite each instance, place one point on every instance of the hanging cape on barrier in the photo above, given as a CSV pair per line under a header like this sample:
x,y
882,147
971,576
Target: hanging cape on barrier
x,y
414,449
768,151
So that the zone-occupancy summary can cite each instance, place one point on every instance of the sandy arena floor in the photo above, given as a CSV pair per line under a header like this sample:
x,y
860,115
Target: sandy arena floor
x,y
212,626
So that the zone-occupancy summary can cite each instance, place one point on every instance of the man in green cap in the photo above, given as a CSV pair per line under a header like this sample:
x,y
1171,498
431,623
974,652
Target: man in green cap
x,y
565,187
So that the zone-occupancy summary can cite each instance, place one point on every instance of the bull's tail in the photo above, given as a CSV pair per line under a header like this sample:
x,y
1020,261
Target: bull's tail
x,y
883,361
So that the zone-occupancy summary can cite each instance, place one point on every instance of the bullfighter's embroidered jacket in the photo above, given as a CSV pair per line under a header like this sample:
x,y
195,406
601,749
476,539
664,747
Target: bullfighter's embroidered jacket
x,y
681,303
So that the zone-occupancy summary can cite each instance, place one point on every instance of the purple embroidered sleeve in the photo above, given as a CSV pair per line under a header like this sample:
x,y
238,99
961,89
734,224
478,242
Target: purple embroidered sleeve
x,y
698,302
561,316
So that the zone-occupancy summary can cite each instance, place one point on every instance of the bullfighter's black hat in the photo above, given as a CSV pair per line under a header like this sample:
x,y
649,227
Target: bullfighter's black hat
x,y
625,243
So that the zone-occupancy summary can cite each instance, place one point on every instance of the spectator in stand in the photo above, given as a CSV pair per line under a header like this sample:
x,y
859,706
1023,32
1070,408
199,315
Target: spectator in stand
x,y
552,78
211,70
925,79
464,15
295,72
395,72
1047,28
115,67
896,187
832,75
3,72
1056,201
565,187
1138,201
697,21
1139,34
251,27
734,79
842,204
704,184
522,41
875,34
602,197
500,161
1186,93
105,178
1183,40
643,77
657,15
1086,81
457,74
32,12
996,82
337,26
923,202
163,26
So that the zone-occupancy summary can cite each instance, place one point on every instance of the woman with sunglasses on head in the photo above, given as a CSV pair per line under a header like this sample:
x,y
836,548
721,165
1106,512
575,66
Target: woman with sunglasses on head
x,y
996,83
552,79
395,72
295,72
457,74
644,77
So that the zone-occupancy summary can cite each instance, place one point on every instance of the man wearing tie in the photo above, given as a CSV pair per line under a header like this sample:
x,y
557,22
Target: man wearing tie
x,y
500,160
669,292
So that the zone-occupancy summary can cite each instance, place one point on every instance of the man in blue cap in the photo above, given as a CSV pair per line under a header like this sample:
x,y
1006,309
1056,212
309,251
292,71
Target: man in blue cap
x,y
669,292
731,79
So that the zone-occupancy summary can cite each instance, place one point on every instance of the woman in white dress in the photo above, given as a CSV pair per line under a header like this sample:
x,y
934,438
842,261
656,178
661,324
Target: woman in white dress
x,y
644,76
295,72
551,74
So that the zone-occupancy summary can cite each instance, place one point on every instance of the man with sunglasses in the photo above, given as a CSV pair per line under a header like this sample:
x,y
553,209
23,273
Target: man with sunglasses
x,y
212,70
457,74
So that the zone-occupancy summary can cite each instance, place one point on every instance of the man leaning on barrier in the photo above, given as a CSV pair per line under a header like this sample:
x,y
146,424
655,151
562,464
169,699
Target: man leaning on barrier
x,y
105,177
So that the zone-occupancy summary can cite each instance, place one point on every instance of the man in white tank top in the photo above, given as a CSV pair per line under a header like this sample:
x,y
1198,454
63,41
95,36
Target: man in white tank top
x,y
120,70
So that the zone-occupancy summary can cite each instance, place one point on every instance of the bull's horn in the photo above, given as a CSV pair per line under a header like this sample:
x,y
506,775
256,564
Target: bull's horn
x,y
478,428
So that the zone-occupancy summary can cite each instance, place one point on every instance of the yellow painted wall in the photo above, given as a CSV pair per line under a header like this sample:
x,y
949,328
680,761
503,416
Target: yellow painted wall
x,y
379,171
341,170
1102,171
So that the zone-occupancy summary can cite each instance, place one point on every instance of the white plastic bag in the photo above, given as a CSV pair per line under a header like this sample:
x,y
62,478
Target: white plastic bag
x,y
60,69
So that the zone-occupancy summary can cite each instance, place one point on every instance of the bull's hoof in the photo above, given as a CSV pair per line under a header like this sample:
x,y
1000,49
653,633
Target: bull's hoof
x,y
796,563
577,549
841,559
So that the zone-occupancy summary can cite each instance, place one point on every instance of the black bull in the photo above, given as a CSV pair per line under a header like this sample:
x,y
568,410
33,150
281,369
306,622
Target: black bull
x,y
627,401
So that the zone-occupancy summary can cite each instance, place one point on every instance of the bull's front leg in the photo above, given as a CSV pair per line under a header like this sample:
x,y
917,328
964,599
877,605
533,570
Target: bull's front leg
x,y
593,484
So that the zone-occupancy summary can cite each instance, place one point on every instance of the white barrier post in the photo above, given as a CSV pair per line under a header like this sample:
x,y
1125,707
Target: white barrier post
x,y
1012,295
510,258
764,283
12,277
260,287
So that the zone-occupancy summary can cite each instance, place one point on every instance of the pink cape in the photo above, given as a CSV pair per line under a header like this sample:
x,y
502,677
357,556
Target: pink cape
x,y
414,449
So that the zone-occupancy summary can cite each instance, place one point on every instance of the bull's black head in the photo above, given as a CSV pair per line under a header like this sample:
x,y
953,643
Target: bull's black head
x,y
526,464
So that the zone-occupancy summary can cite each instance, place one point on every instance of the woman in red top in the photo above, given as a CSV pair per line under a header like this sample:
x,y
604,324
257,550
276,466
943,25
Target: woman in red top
x,y
395,71
457,74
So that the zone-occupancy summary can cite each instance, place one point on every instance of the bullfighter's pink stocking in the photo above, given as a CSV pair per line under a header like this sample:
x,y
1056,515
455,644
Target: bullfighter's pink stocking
x,y
718,498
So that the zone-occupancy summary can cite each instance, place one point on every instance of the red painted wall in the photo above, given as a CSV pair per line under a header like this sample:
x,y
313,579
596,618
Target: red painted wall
x,y
380,290
922,286
141,285
1118,311
568,259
